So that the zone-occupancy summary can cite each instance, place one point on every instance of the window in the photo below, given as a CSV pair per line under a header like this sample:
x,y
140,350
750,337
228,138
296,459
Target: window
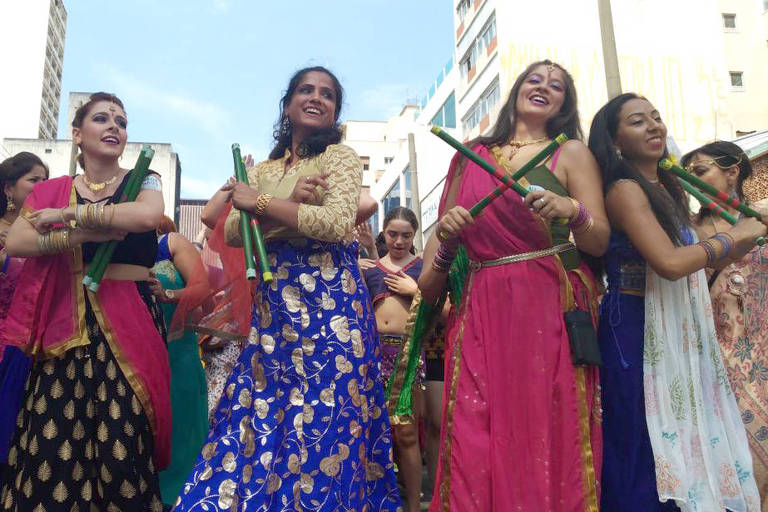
x,y
729,21
737,79
388,160
482,107
478,46
765,5
48,151
392,199
407,180
366,161
446,116
462,9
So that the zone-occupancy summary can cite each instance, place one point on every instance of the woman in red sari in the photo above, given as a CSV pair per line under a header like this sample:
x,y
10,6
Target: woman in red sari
x,y
95,425
521,424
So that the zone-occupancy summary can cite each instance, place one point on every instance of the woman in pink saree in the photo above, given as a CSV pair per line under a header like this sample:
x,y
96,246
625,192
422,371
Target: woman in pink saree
x,y
521,425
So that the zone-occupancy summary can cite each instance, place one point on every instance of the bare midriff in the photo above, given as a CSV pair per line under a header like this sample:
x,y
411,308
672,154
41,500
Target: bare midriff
x,y
392,314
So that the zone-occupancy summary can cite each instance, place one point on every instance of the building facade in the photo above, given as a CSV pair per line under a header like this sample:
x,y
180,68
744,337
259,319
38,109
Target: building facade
x,y
32,36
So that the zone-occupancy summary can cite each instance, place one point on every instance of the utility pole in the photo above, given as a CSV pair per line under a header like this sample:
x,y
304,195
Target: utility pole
x,y
610,58
415,199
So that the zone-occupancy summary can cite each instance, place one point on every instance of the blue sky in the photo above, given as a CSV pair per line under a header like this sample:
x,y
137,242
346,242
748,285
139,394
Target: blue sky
x,y
202,74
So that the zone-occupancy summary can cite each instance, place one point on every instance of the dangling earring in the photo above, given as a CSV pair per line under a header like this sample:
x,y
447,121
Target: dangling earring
x,y
11,206
285,125
618,152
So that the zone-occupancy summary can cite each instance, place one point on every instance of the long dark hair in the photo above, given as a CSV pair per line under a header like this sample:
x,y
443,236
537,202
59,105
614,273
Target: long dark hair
x,y
725,154
670,210
82,111
318,141
13,168
566,121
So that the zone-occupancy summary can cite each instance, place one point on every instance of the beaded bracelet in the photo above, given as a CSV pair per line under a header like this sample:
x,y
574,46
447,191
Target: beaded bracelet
x,y
443,258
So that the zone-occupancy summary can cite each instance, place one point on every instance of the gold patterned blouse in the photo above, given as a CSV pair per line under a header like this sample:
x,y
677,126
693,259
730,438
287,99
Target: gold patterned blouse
x,y
331,216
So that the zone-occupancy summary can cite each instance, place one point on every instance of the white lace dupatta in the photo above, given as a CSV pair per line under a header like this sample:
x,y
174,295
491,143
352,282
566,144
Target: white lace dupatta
x,y
699,444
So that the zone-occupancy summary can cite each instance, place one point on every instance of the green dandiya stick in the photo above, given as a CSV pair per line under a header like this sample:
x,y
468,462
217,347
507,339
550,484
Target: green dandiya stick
x,y
533,162
250,230
667,165
711,204
104,253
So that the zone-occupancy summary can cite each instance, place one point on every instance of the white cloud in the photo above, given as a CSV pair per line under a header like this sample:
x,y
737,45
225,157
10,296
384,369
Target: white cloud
x,y
208,116
221,5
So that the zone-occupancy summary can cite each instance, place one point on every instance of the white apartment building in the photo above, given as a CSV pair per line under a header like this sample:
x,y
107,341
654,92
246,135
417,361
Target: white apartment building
x,y
32,35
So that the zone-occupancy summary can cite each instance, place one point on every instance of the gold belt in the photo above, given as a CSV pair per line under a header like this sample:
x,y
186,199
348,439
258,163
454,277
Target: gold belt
x,y
516,258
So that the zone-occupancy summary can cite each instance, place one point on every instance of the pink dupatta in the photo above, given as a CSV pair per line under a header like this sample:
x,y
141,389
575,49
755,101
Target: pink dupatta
x,y
47,317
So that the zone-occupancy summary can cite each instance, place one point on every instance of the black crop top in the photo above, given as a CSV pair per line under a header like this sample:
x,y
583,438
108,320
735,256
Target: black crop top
x,y
135,248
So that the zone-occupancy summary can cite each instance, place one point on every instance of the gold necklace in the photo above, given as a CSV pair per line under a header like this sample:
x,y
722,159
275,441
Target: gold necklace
x,y
517,144
98,186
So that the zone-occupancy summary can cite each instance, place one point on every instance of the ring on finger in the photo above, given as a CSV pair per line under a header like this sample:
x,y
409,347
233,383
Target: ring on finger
x,y
543,201
442,235
307,180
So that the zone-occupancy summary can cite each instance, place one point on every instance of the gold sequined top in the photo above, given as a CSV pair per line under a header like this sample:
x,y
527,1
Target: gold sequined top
x,y
330,216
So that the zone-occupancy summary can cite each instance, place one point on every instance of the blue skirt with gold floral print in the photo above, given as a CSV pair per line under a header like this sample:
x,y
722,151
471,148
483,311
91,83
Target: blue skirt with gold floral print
x,y
302,423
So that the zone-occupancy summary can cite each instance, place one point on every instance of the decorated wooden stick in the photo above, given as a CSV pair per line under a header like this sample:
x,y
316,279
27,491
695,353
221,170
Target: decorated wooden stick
x,y
533,162
104,253
497,172
250,231
711,204
667,165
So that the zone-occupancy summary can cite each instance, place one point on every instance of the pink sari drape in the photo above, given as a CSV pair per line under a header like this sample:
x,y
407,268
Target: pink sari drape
x,y
47,318
516,415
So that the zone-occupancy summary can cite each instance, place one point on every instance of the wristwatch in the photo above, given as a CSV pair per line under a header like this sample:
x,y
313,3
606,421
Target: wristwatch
x,y
170,295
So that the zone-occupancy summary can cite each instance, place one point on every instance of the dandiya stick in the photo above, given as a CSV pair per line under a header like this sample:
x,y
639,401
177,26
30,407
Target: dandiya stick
x,y
497,172
667,165
104,253
711,204
250,231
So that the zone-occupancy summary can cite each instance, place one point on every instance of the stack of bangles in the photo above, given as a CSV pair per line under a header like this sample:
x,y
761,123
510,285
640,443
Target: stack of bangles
x,y
92,216
726,243
444,258
55,241
581,221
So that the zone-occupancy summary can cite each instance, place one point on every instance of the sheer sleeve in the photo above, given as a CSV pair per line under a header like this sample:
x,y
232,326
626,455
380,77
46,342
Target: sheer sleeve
x,y
232,224
334,220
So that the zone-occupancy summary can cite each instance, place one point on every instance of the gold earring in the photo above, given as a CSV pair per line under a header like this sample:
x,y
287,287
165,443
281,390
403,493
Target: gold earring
x,y
11,206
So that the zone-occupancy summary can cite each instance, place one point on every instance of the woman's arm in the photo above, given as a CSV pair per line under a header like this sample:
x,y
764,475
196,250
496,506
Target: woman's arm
x,y
629,210
24,240
187,261
216,204
332,220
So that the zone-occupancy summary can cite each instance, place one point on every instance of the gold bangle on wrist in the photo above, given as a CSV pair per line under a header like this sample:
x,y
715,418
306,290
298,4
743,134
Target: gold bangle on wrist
x,y
261,203
576,205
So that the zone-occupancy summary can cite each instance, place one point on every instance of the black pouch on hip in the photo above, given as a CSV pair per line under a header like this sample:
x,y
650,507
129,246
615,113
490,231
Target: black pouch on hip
x,y
581,333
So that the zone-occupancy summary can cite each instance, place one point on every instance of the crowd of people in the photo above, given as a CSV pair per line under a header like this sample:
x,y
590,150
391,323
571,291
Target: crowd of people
x,y
600,347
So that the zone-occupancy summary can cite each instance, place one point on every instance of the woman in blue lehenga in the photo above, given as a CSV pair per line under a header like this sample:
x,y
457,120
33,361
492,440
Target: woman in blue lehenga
x,y
302,423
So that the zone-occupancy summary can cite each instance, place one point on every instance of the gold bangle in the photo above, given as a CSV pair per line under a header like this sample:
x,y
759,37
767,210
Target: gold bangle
x,y
111,215
576,206
586,228
61,215
43,241
261,203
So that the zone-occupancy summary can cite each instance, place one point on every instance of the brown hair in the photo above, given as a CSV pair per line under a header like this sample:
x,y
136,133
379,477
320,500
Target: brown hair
x,y
166,226
82,111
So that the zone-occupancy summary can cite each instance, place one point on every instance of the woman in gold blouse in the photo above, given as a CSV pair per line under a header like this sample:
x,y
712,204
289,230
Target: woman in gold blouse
x,y
302,423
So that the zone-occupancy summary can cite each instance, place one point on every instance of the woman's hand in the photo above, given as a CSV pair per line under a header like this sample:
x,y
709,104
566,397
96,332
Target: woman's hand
x,y
550,205
44,219
366,263
452,224
401,284
306,187
156,287
244,197
365,237
744,234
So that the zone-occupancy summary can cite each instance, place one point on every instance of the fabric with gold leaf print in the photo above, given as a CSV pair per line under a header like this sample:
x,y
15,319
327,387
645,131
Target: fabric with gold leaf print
x,y
82,439
302,423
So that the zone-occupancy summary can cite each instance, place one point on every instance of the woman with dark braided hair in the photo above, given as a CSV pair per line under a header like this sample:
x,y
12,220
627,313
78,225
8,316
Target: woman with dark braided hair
x,y
739,294
302,423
